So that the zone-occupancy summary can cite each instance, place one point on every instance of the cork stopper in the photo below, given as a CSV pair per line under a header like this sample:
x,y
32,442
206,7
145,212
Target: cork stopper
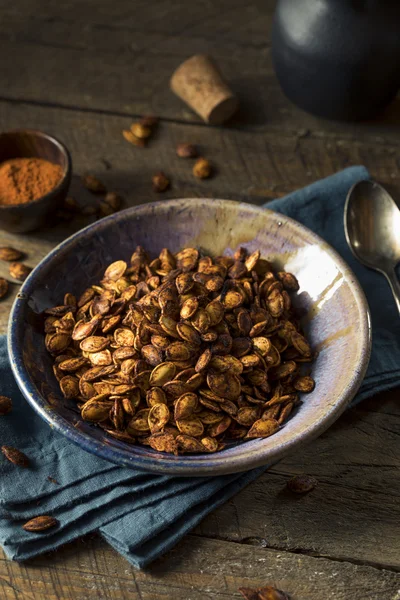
x,y
199,83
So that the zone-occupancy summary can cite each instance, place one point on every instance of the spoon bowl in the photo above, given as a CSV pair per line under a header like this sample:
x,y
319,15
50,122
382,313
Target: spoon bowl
x,y
372,227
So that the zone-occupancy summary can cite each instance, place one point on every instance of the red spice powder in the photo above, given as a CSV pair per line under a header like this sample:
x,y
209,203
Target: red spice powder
x,y
25,179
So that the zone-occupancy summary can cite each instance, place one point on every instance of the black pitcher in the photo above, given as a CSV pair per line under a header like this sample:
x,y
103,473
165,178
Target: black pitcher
x,y
338,58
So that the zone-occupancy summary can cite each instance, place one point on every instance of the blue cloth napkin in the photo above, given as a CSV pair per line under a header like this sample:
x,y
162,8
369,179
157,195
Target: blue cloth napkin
x,y
143,515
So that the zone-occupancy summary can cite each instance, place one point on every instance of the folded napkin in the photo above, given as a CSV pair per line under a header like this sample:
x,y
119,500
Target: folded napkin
x,y
143,515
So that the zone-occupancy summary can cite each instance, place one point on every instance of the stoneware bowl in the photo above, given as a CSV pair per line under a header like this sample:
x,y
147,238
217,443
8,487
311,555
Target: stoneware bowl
x,y
336,320
27,143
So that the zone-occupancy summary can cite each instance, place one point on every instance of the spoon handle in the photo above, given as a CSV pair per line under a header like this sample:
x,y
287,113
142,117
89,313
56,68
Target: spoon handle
x,y
394,285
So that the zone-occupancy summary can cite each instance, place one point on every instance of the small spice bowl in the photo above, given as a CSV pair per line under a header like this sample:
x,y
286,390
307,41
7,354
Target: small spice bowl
x,y
27,143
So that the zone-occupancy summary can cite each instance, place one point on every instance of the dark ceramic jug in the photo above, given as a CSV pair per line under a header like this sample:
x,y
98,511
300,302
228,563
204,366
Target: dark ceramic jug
x,y
338,58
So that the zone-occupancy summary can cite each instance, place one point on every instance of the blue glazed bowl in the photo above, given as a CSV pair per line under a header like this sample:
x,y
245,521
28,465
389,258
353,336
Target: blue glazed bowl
x,y
336,320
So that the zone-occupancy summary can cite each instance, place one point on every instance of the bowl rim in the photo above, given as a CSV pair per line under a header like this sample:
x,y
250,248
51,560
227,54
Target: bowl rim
x,y
196,464
66,172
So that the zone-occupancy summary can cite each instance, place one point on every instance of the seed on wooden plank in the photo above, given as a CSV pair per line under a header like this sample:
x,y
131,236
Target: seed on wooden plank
x,y
40,523
132,139
160,182
264,593
3,287
93,184
202,168
186,151
19,270
10,254
15,456
5,405
140,131
302,484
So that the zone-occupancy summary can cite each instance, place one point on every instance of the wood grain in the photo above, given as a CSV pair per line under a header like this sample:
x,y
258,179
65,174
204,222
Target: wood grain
x,y
353,513
197,569
250,166
100,56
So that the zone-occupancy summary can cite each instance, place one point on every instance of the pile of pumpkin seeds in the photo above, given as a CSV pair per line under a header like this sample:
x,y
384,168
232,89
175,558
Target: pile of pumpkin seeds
x,y
184,352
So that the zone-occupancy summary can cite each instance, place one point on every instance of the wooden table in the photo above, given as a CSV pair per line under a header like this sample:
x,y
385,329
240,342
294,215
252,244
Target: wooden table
x,y
83,70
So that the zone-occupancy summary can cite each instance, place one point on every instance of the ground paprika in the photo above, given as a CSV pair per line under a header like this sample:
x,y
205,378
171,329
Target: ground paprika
x,y
25,179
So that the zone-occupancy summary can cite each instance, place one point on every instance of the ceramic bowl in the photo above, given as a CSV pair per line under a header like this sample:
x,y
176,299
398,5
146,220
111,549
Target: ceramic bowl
x,y
336,320
28,143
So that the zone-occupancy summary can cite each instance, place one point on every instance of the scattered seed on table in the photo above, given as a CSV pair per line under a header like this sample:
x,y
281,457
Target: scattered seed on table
x,y
265,593
93,184
15,456
114,200
3,287
160,182
39,524
5,405
10,254
132,139
302,484
140,131
202,168
186,151
19,270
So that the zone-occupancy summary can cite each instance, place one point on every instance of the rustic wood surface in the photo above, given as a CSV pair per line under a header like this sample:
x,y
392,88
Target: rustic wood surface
x,y
82,70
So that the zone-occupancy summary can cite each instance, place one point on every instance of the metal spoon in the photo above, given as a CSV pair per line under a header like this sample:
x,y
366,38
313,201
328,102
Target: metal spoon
x,y
372,228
